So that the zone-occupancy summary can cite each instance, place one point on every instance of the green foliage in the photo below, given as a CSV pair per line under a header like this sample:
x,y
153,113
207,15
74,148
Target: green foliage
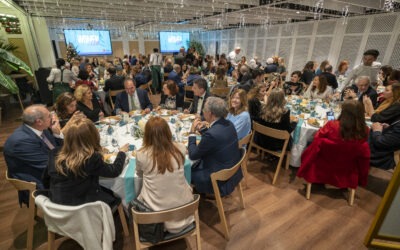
x,y
198,46
71,52
10,62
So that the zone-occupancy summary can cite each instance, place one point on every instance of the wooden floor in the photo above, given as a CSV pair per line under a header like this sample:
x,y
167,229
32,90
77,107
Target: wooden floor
x,y
275,217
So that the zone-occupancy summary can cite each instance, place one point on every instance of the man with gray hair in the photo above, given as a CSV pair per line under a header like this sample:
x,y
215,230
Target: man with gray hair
x,y
217,150
26,150
361,90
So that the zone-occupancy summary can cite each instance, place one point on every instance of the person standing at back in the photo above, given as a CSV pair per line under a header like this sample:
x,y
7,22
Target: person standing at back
x,y
155,66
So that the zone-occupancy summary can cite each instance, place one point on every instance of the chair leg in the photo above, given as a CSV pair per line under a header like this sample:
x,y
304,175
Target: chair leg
x,y
244,169
50,240
198,238
278,168
222,216
31,222
287,160
136,235
351,196
308,191
239,187
123,220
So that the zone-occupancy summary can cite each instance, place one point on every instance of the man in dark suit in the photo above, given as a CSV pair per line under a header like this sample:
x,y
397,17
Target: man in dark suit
x,y
115,82
174,75
132,98
217,150
200,96
26,150
330,77
360,89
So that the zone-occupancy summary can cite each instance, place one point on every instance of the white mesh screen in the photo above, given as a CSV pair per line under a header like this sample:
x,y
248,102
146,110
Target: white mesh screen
x,y
287,30
300,53
239,42
326,28
305,29
249,52
272,31
261,32
395,58
356,25
231,45
240,34
321,48
224,47
349,49
195,36
378,42
225,34
204,36
383,23
232,34
284,48
211,35
270,48
211,48
259,49
218,35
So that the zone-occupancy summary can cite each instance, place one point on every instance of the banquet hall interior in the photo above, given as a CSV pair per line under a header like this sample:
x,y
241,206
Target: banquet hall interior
x,y
258,33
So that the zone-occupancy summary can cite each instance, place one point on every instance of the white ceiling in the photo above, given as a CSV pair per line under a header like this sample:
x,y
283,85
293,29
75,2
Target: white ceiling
x,y
155,15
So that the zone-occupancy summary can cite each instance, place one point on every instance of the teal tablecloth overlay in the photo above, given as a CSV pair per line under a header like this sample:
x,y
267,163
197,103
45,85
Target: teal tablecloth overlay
x,y
130,192
296,135
129,180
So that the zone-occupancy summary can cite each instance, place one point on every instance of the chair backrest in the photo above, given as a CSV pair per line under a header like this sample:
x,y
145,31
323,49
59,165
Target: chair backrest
x,y
226,174
271,132
113,93
147,86
20,184
220,92
188,89
245,140
176,213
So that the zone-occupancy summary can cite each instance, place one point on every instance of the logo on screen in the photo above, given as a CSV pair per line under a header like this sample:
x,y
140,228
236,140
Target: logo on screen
x,y
88,39
175,39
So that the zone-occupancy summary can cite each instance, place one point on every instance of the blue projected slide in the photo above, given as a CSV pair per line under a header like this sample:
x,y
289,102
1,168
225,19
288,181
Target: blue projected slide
x,y
172,41
89,42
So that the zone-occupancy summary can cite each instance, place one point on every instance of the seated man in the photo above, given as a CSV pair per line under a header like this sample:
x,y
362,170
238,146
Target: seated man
x,y
26,150
115,82
360,89
383,142
132,98
142,77
200,97
217,150
175,76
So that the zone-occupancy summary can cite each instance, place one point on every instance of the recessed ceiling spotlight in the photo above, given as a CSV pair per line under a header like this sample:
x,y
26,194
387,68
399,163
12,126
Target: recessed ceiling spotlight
x,y
298,12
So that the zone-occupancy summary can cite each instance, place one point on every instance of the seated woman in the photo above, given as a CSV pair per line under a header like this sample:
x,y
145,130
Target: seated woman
x,y
88,103
65,108
161,164
84,78
220,80
294,87
273,114
339,154
171,98
389,110
255,96
238,114
319,89
383,142
73,171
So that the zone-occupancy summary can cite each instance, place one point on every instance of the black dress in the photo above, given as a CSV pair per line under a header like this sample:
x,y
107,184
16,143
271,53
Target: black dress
x,y
92,114
74,190
389,115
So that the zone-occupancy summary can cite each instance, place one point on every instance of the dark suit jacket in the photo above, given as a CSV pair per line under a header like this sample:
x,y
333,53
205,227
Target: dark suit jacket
x,y
76,190
26,156
179,100
193,108
371,93
331,79
114,83
174,77
218,149
121,101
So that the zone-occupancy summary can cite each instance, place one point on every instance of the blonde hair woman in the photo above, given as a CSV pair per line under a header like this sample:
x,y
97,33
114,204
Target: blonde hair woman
x,y
88,104
238,114
161,164
274,115
74,171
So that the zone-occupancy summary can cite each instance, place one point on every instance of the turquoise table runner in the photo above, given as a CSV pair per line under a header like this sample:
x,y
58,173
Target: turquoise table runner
x,y
129,179
296,134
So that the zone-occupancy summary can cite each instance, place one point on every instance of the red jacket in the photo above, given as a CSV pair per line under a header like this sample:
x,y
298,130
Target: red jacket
x,y
331,160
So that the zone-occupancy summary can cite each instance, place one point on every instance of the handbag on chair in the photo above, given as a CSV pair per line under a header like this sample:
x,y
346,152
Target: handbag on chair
x,y
153,233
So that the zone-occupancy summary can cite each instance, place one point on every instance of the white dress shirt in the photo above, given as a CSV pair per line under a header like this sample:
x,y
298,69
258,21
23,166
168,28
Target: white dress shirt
x,y
362,70
155,59
200,103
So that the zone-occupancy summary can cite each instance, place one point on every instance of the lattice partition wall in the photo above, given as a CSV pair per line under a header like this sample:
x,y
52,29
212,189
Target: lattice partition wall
x,y
328,39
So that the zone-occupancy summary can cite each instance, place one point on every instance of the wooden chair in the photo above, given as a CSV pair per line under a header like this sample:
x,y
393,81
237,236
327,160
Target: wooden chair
x,y
166,215
224,175
147,87
188,89
352,193
113,93
220,92
277,134
21,185
245,141
166,76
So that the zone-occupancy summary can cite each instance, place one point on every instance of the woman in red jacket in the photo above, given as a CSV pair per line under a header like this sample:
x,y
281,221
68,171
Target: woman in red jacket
x,y
339,154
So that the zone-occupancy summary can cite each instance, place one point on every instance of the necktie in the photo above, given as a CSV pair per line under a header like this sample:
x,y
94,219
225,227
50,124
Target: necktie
x,y
133,103
47,142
